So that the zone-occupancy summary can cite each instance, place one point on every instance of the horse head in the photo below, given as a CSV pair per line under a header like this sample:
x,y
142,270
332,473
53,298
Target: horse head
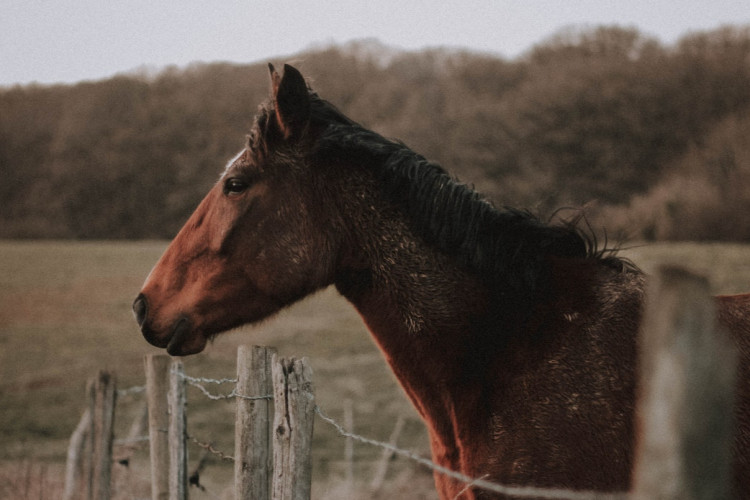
x,y
257,242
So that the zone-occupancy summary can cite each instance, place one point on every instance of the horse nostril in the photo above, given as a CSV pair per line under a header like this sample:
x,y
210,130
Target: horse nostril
x,y
140,308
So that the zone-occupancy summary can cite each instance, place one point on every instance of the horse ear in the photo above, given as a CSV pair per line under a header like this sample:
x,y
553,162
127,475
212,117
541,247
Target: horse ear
x,y
291,99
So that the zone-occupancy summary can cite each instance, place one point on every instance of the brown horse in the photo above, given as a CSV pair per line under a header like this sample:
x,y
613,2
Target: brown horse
x,y
515,339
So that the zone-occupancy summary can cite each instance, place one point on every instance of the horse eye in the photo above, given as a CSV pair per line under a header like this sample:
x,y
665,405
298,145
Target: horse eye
x,y
235,186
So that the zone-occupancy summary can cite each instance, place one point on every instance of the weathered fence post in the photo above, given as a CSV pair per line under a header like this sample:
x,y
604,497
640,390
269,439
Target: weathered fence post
x,y
74,473
102,392
178,478
686,393
121,476
252,439
157,387
294,412
382,468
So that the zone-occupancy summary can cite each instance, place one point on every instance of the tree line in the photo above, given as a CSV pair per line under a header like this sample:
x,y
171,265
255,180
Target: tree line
x,y
652,140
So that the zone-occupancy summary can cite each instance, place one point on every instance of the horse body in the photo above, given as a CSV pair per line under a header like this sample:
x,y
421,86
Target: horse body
x,y
515,340
540,410
515,408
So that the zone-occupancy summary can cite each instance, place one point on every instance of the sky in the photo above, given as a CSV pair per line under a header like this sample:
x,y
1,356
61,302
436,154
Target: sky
x,y
53,41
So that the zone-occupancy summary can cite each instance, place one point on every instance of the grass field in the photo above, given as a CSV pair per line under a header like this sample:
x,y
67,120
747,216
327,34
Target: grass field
x,y
65,313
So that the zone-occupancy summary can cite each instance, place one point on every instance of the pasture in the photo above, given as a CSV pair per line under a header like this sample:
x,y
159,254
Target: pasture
x,y
65,313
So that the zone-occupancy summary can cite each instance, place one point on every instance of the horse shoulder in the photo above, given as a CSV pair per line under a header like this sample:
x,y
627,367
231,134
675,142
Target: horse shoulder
x,y
565,387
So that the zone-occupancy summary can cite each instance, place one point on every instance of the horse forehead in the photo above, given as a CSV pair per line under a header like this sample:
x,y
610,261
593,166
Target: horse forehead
x,y
231,162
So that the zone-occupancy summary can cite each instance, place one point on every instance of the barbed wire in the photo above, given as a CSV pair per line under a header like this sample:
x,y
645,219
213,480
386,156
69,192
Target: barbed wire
x,y
518,491
198,382
209,447
131,390
482,483
204,380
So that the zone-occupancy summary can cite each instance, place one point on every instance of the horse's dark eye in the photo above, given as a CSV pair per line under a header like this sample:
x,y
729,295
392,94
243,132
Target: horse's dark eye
x,y
235,186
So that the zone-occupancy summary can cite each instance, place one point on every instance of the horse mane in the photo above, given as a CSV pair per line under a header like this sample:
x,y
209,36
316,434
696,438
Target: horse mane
x,y
507,247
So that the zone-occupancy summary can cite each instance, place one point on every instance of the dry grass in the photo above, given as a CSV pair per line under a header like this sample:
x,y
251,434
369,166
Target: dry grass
x,y
30,480
65,313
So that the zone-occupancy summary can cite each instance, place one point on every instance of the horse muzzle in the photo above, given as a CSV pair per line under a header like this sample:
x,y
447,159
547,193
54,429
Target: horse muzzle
x,y
178,342
140,310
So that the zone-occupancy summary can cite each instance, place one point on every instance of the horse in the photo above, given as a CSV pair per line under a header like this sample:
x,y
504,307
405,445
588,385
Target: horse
x,y
515,338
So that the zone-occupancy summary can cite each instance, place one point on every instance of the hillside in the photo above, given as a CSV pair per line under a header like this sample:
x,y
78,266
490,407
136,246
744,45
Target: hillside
x,y
652,138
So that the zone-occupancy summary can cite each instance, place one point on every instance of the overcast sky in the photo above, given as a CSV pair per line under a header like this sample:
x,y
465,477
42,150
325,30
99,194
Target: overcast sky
x,y
51,41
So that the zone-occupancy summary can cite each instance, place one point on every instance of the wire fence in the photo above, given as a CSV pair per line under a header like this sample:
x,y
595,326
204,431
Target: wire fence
x,y
517,491
202,383
670,329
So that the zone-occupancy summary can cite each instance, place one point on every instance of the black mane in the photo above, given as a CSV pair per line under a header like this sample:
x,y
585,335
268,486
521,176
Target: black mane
x,y
508,246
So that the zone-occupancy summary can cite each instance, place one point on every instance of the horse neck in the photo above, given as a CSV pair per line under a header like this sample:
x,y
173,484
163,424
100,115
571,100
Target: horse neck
x,y
420,307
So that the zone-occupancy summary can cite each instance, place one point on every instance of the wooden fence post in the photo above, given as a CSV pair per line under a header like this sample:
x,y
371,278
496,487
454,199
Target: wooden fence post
x,y
178,478
157,387
294,412
252,439
382,468
74,473
121,475
103,394
686,385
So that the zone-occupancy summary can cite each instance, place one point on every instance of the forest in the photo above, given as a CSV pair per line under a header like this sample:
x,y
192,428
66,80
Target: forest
x,y
652,141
